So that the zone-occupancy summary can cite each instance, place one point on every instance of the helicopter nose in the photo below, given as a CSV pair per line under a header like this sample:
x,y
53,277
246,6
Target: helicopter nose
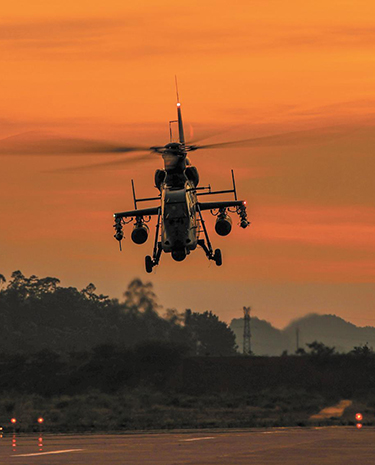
x,y
178,251
179,254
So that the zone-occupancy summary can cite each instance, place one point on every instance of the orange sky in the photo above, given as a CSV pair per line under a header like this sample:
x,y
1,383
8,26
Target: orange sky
x,y
106,70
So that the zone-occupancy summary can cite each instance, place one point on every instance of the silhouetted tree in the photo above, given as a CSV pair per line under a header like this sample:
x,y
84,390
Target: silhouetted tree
x,y
32,287
320,350
210,336
174,316
362,351
300,351
140,298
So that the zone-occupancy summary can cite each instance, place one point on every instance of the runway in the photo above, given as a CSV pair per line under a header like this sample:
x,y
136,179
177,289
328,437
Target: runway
x,y
307,446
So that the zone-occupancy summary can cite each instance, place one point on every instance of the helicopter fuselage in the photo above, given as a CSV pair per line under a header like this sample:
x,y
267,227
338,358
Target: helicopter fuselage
x,y
180,226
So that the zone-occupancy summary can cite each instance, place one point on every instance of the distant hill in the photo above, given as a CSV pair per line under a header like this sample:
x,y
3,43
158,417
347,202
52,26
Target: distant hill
x,y
329,329
265,339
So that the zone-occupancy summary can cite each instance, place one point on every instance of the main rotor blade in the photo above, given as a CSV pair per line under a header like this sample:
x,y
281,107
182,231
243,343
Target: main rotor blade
x,y
318,135
114,163
34,144
213,133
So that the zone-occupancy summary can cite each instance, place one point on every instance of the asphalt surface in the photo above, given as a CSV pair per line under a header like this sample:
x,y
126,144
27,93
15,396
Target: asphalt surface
x,y
302,446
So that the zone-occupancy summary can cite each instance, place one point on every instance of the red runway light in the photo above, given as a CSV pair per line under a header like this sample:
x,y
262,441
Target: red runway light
x,y
359,425
40,420
358,416
13,420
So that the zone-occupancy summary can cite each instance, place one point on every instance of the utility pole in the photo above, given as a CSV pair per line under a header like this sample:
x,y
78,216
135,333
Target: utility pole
x,y
246,331
297,339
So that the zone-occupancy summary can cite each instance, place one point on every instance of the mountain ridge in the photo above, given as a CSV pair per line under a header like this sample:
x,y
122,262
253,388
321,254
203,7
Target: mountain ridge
x,y
329,329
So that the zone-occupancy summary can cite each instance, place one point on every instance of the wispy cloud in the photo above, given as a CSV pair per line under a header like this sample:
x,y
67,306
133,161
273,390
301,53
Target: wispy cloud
x,y
347,227
60,37
136,36
56,32
330,37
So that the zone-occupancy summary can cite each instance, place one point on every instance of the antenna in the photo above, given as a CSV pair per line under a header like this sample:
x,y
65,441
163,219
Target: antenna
x,y
179,118
178,98
234,186
134,196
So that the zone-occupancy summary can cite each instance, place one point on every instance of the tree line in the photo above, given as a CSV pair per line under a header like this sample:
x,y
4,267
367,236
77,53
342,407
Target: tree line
x,y
39,314
60,340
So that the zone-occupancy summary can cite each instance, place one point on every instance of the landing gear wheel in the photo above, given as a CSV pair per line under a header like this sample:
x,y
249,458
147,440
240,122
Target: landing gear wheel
x,y
149,264
217,257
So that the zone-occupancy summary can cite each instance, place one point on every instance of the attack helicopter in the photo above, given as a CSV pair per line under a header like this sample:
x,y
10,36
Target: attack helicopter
x,y
179,219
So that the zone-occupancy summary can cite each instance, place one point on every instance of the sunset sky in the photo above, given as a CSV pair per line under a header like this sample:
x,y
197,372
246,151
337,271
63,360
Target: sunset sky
x,y
106,70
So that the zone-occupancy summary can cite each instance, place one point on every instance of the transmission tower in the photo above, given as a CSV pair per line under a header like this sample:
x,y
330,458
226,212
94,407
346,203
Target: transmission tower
x,y
246,331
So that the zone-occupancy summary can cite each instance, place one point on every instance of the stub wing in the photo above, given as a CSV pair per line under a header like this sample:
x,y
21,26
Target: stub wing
x,y
239,205
218,205
137,213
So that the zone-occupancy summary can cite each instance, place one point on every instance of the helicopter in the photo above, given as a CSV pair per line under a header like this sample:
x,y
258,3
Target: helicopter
x,y
180,226
179,219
